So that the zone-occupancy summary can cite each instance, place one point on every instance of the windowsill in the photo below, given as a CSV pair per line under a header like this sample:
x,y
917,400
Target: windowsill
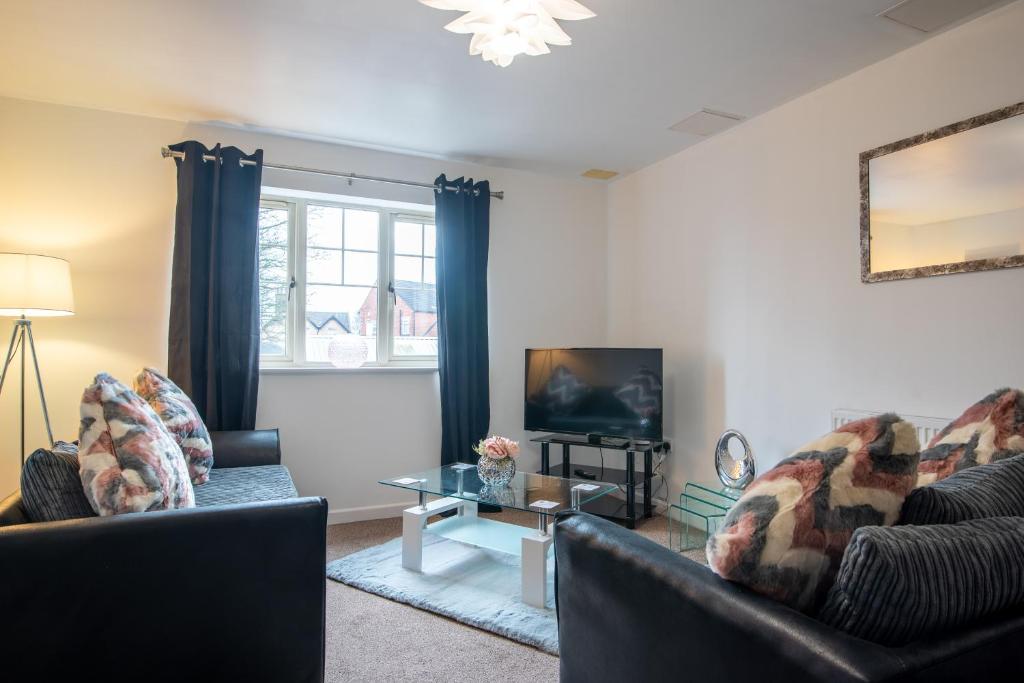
x,y
324,370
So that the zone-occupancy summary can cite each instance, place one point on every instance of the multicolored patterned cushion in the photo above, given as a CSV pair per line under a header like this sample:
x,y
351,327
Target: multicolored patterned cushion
x,y
786,535
127,459
990,430
182,420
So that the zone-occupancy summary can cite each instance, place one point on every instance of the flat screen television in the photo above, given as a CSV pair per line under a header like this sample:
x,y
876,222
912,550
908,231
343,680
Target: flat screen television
x,y
605,392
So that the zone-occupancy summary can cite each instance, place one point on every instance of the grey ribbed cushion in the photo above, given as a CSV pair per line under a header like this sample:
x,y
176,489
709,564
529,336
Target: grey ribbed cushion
x,y
245,485
898,584
51,489
992,490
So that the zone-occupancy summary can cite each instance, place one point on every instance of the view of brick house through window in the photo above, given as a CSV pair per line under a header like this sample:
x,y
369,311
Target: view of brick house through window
x,y
321,298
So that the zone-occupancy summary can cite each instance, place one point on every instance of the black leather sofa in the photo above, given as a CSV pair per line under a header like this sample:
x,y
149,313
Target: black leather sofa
x,y
632,610
222,593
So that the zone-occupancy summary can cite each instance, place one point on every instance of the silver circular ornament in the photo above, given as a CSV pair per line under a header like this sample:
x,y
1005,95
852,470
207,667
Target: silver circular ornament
x,y
735,474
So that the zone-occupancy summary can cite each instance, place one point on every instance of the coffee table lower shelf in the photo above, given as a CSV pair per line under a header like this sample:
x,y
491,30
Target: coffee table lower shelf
x,y
483,533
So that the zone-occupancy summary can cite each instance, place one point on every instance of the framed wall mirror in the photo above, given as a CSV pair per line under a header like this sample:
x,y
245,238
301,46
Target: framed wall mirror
x,y
947,201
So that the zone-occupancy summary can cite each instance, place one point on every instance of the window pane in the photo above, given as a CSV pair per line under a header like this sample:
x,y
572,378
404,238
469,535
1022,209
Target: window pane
x,y
408,238
273,225
430,270
273,273
360,268
361,229
429,240
415,320
323,266
341,325
273,319
408,269
273,264
323,226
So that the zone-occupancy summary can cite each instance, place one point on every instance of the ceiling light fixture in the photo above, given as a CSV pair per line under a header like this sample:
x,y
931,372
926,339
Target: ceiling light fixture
x,y
503,29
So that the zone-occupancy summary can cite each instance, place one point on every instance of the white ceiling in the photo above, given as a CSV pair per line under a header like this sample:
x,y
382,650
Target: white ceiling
x,y
383,73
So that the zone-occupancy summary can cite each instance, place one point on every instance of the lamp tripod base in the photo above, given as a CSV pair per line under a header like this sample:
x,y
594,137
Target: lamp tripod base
x,y
22,332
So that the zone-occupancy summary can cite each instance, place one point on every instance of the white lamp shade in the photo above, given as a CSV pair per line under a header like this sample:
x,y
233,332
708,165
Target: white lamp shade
x,y
503,29
35,286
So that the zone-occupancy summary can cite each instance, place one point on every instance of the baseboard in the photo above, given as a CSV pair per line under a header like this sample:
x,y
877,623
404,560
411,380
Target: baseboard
x,y
346,515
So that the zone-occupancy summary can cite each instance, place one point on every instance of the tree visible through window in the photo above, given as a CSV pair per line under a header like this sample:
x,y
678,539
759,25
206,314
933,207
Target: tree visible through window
x,y
274,278
339,255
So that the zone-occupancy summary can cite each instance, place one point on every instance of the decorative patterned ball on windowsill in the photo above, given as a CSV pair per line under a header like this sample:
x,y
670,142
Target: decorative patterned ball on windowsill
x,y
347,351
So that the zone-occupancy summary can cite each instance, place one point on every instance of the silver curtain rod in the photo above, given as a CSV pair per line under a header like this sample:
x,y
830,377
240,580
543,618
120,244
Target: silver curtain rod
x,y
168,153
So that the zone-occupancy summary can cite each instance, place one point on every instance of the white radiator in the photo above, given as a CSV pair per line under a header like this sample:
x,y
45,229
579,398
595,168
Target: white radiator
x,y
927,427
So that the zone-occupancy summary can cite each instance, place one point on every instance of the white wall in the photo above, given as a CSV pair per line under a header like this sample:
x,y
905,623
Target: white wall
x,y
741,257
91,186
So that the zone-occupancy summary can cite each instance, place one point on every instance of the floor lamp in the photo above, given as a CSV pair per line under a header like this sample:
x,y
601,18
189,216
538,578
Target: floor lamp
x,y
37,287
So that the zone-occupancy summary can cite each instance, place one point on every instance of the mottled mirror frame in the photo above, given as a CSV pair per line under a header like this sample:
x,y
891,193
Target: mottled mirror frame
x,y
865,204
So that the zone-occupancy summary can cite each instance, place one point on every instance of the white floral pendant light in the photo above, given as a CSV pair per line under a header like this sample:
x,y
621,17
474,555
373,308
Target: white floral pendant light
x,y
503,29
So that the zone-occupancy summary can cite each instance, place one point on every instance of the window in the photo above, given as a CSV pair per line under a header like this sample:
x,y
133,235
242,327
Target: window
x,y
275,221
415,296
321,265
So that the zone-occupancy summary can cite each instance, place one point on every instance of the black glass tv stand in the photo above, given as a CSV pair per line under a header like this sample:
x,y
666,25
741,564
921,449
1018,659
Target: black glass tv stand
x,y
609,507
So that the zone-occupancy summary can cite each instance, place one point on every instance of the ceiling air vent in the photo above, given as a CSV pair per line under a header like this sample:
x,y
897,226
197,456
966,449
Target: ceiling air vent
x,y
707,122
930,15
600,174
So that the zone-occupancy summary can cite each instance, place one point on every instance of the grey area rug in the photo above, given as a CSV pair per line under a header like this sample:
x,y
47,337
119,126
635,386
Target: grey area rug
x,y
477,587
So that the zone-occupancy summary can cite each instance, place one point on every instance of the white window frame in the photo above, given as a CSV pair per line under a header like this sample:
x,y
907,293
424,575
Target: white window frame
x,y
295,344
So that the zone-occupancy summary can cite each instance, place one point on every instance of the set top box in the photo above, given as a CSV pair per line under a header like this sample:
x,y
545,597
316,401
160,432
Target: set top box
x,y
599,392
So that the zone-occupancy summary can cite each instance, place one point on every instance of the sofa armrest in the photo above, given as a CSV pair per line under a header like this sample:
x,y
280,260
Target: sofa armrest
x,y
630,609
233,592
246,448
12,511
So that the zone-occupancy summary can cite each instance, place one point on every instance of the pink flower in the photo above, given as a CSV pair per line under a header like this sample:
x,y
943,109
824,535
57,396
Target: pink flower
x,y
497,447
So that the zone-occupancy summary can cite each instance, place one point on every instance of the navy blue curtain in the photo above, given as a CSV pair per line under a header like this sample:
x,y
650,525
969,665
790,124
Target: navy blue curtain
x,y
213,339
463,224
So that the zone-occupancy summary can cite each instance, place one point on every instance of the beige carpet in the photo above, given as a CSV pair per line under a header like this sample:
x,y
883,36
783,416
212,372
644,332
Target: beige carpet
x,y
370,638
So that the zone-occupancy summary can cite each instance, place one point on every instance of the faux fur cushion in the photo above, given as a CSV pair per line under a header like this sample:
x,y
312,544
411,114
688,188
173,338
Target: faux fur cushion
x,y
786,535
182,420
127,459
990,430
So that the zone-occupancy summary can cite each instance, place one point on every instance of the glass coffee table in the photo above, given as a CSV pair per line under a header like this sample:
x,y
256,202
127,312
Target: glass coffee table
x,y
460,489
